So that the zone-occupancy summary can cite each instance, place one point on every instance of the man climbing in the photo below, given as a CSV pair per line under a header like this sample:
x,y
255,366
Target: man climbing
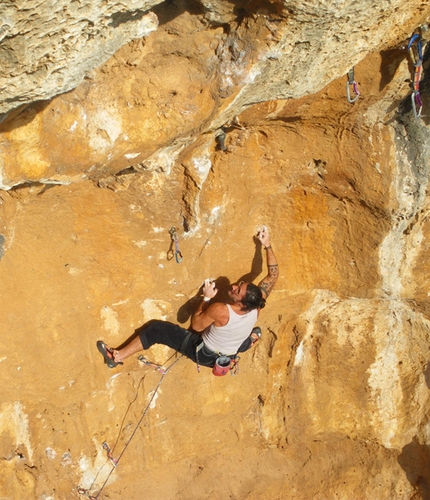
x,y
224,327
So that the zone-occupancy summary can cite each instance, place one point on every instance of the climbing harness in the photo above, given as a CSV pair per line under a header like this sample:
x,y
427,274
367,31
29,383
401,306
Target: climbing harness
x,y
175,241
415,50
115,462
147,362
351,83
223,363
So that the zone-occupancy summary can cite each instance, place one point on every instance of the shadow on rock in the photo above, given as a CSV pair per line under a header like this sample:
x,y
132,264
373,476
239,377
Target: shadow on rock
x,y
427,374
256,265
223,285
415,461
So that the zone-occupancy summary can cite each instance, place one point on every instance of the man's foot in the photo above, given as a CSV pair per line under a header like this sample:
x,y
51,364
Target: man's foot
x,y
108,354
255,334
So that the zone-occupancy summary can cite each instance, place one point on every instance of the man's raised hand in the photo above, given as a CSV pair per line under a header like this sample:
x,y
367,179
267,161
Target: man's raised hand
x,y
263,236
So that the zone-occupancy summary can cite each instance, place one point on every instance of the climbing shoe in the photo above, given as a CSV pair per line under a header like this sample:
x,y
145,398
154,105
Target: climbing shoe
x,y
255,334
107,354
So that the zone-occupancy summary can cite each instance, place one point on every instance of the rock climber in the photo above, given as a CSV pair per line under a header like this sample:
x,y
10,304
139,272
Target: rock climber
x,y
224,328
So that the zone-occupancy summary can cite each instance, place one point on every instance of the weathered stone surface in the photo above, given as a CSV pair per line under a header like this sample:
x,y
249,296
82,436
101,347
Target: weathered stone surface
x,y
185,77
333,402
47,47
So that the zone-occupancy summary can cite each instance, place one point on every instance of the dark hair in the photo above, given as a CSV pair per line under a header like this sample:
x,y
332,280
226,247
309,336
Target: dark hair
x,y
253,298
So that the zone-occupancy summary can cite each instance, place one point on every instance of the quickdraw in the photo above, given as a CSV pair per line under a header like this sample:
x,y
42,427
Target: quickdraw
x,y
234,367
220,138
351,83
415,50
109,454
146,362
175,241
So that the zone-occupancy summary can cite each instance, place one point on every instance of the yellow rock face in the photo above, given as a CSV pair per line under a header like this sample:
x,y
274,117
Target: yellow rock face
x,y
333,401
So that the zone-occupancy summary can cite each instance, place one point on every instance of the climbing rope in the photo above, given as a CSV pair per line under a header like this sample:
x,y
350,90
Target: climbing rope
x,y
115,461
175,241
415,50
351,83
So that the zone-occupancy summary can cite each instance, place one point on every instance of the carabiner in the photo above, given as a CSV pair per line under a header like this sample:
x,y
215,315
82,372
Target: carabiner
x,y
419,55
416,100
109,454
147,362
178,254
417,61
352,82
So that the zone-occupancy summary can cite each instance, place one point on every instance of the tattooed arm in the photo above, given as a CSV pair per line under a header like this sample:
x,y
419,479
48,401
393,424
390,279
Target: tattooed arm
x,y
267,283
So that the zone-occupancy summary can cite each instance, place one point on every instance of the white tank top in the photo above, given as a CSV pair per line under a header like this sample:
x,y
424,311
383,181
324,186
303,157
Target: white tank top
x,y
227,339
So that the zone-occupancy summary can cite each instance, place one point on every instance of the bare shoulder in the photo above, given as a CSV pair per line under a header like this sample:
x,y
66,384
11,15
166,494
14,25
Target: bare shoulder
x,y
219,312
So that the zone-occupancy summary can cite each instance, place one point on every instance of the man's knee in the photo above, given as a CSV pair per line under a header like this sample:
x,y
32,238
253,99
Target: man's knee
x,y
161,332
148,333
